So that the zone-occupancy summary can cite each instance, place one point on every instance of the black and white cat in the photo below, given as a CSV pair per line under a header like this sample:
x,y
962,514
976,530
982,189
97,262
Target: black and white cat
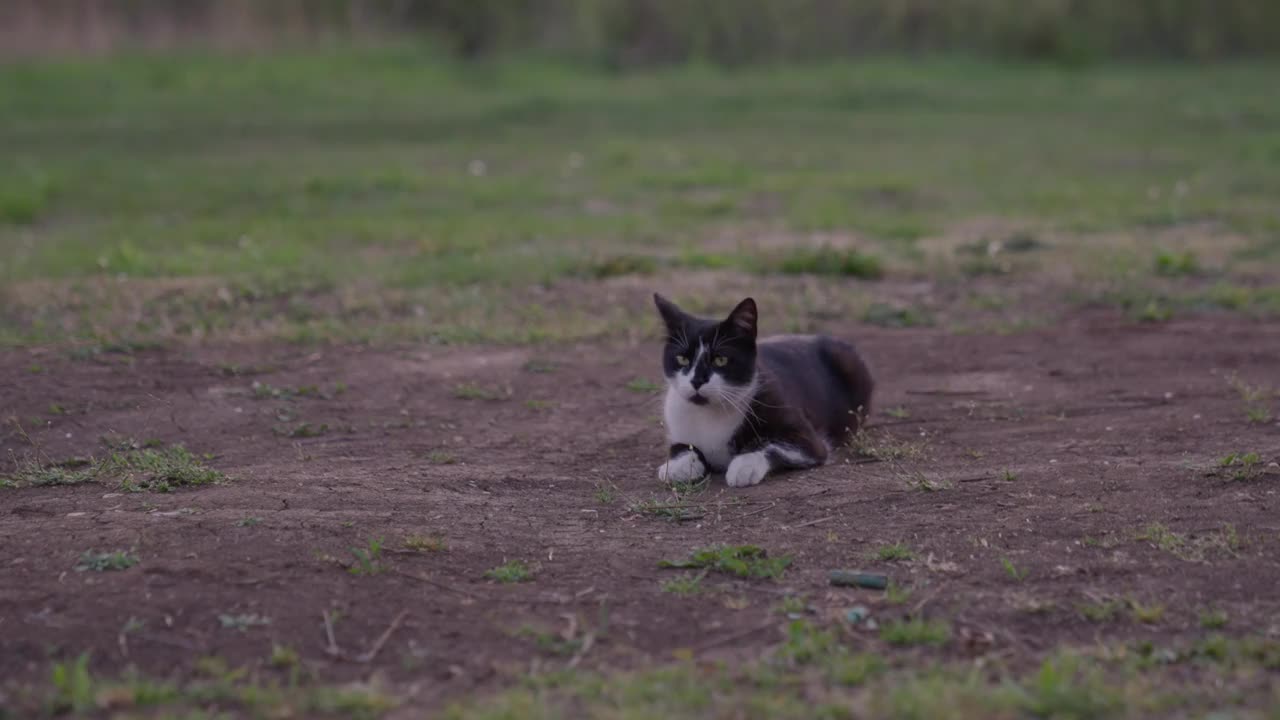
x,y
748,408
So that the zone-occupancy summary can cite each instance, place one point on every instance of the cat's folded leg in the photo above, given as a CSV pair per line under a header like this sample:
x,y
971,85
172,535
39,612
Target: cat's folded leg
x,y
686,464
805,450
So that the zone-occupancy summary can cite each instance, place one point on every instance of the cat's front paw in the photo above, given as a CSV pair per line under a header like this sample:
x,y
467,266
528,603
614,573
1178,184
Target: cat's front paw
x,y
746,470
682,468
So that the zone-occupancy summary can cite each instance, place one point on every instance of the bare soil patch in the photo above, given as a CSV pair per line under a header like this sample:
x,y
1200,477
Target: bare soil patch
x,y
1063,451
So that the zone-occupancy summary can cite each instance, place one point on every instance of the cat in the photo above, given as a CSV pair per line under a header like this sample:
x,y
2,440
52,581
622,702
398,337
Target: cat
x,y
746,407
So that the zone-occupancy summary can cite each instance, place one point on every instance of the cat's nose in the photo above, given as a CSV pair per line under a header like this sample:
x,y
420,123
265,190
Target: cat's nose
x,y
697,382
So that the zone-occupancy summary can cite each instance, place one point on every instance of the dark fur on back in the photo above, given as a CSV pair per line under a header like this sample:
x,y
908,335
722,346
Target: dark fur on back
x,y
808,381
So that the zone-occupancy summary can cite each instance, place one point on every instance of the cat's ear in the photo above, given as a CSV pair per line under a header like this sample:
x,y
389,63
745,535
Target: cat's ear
x,y
743,318
672,316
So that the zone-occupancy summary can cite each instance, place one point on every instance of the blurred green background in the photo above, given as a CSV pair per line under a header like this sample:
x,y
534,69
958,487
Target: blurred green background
x,y
479,170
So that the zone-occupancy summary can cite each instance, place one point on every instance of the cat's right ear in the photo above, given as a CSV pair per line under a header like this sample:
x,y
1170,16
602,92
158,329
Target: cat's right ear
x,y
672,316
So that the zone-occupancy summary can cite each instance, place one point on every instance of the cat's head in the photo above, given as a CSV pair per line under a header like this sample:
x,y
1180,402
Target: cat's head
x,y
708,361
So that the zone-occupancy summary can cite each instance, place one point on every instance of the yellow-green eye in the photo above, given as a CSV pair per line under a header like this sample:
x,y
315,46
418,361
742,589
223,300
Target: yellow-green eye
x,y
682,361
720,361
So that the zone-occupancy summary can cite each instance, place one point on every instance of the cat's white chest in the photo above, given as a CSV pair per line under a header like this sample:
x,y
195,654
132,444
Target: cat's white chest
x,y
706,427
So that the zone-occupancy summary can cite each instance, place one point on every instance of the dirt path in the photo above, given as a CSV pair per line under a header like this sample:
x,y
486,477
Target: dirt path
x,y
1084,455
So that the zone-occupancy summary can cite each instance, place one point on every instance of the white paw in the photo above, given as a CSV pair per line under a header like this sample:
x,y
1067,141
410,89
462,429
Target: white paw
x,y
747,469
685,467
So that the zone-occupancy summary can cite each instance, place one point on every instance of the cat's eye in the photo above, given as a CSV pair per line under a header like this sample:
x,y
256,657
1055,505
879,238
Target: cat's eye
x,y
720,360
682,361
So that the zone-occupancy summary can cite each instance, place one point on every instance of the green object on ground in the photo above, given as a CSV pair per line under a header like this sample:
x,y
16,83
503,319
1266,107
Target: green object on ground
x,y
850,578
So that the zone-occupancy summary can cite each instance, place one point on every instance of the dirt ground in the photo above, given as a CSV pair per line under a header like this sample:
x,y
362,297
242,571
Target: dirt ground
x,y
1056,449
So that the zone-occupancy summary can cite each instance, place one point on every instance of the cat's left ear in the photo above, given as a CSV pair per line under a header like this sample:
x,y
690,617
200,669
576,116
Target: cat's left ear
x,y
672,316
743,318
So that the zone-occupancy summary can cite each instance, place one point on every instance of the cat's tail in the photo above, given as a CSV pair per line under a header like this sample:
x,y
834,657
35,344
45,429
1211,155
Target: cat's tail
x,y
850,370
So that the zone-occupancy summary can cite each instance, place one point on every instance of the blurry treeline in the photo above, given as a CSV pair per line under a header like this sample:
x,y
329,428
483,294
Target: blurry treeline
x,y
637,32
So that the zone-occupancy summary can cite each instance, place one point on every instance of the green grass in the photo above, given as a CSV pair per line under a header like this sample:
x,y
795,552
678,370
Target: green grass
x,y
468,391
1213,619
32,473
218,692
916,631
425,543
827,261
1255,398
265,193
896,594
283,656
793,605
302,430
1172,264
550,642
1146,613
643,386
160,470
103,562
367,560
684,585
1099,611
890,316
1014,573
1202,547
744,561
894,552
606,493
441,457
815,674
1242,466
512,571
664,509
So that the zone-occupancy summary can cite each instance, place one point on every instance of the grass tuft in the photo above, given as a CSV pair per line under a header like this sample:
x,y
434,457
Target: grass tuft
x,y
138,466
1147,614
606,493
31,473
1192,548
643,386
1255,398
218,691
1171,264
283,657
368,559
916,631
1015,574
617,266
1213,619
744,561
160,470
1065,687
73,686
890,316
425,543
470,391
512,571
827,261
684,585
1242,466
1099,611
896,594
895,552
105,562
